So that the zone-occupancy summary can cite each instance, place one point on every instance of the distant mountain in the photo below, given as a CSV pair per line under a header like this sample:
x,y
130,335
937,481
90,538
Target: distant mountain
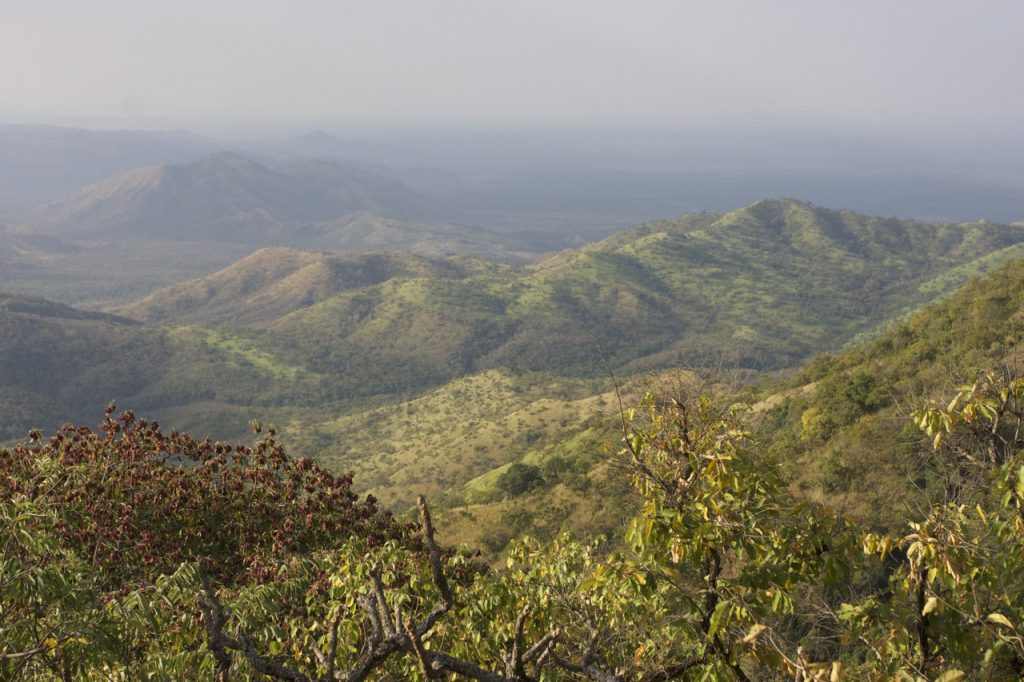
x,y
223,197
43,163
229,198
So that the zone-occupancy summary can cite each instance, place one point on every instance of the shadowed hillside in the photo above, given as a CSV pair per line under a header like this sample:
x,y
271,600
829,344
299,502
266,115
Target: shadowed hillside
x,y
59,364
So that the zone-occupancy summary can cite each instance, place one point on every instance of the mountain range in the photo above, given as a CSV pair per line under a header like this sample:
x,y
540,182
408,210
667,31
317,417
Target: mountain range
x,y
42,163
339,349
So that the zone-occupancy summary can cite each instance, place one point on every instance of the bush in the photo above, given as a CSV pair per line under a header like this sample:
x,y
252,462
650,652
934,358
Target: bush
x,y
520,478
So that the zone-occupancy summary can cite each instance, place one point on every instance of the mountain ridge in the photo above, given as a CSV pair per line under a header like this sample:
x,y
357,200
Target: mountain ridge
x,y
219,191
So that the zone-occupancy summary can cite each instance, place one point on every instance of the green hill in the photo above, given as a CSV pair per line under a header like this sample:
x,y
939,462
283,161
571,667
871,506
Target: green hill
x,y
342,350
763,287
840,424
273,282
59,364
844,418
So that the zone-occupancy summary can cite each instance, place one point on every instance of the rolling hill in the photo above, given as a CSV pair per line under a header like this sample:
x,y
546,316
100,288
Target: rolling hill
x,y
273,282
762,287
344,350
840,424
60,364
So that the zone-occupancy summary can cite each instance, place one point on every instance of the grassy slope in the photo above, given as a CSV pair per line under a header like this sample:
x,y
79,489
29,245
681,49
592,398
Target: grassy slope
x,y
338,349
843,420
451,434
840,426
763,287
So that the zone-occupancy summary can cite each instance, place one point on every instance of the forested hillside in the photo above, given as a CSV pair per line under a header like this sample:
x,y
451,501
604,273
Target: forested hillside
x,y
735,556
315,342
840,427
761,287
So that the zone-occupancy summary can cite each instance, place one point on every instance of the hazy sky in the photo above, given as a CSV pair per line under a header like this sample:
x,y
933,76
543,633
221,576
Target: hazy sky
x,y
868,66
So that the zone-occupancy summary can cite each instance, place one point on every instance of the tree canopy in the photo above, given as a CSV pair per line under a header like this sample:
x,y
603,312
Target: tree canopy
x,y
138,555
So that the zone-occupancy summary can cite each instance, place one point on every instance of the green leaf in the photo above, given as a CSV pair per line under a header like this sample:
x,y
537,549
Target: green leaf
x,y
930,606
716,616
951,675
999,619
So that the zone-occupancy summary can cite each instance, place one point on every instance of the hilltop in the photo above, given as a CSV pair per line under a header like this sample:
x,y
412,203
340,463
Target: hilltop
x,y
275,281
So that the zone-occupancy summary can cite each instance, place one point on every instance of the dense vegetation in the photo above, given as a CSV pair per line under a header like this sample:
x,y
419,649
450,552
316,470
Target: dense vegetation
x,y
300,339
841,427
726,574
859,519
764,287
830,417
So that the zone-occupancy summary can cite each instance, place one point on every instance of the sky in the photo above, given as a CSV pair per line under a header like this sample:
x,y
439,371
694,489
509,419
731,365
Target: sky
x,y
892,67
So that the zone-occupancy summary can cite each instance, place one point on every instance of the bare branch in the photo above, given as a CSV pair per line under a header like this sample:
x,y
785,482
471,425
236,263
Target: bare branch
x,y
514,666
435,553
421,653
537,650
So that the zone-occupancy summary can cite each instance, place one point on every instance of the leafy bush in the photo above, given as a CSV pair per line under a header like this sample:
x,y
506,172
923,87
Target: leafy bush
x,y
520,478
137,502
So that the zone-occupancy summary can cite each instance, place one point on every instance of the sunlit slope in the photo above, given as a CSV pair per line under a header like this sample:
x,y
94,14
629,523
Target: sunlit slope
x,y
451,434
841,426
273,282
762,287
846,417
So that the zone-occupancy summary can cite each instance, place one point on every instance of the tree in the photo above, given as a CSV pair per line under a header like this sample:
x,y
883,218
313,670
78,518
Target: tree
x,y
520,478
721,552
955,606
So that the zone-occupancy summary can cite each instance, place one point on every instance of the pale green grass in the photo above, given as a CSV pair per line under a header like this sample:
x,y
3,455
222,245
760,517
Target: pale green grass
x,y
243,351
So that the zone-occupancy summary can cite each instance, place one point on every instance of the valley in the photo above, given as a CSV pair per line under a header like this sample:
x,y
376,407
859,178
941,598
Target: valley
x,y
431,373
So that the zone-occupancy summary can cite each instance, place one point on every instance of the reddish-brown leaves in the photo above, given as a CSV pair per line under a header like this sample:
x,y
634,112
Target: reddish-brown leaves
x,y
138,502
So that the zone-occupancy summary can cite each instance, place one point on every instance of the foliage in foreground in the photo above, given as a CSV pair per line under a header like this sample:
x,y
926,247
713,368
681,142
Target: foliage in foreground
x,y
727,576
